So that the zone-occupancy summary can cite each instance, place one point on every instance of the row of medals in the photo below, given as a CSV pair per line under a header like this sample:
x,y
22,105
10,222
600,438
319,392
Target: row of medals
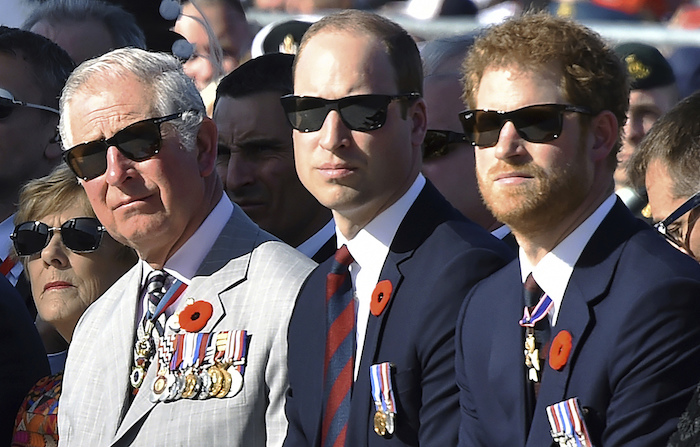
x,y
219,380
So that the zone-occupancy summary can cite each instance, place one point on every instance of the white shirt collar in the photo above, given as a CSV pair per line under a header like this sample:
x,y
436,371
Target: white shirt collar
x,y
370,248
313,244
184,263
554,271
380,231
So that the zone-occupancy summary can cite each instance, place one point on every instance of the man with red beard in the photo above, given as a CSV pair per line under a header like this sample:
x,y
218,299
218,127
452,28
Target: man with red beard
x,y
603,346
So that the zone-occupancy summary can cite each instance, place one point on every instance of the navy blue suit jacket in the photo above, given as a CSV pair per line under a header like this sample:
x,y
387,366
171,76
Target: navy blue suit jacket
x,y
437,255
632,307
23,357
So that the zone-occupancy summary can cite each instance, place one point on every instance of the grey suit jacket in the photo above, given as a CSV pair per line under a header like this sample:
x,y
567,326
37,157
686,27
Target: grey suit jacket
x,y
252,281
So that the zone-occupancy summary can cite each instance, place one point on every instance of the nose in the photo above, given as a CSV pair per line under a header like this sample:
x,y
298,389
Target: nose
x,y
508,144
55,253
334,134
118,167
634,129
240,172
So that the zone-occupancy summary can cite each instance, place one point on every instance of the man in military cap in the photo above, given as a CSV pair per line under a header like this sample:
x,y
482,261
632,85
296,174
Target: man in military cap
x,y
653,92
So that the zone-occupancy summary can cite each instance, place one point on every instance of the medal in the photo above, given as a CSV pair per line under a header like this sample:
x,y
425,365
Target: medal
x,y
144,348
380,423
192,386
217,379
531,351
384,401
205,380
225,383
236,381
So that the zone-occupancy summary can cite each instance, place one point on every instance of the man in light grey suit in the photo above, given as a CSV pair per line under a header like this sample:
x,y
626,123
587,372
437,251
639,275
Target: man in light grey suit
x,y
213,356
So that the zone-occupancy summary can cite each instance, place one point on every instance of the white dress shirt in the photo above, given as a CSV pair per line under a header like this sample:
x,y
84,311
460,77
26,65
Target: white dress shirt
x,y
553,272
369,249
184,263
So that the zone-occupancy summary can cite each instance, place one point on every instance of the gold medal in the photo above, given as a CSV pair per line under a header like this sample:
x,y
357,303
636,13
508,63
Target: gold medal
x,y
225,384
160,384
190,386
380,423
217,379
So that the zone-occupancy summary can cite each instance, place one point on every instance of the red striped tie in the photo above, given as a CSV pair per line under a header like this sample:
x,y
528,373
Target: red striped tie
x,y
340,350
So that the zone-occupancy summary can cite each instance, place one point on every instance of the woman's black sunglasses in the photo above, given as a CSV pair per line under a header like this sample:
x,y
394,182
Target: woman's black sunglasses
x,y
537,124
80,235
359,112
438,143
138,142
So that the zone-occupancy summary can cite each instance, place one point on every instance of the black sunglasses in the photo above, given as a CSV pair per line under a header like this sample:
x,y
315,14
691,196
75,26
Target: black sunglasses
x,y
537,124
438,143
663,226
138,142
80,235
360,112
8,104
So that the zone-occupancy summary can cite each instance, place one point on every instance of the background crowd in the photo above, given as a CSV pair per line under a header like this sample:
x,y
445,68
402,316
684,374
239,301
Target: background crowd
x,y
178,180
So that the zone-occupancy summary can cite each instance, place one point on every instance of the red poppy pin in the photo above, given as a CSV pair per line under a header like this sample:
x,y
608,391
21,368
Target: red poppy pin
x,y
560,350
195,315
380,297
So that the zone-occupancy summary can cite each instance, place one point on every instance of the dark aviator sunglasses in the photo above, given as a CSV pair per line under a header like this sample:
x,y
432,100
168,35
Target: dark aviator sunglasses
x,y
137,142
538,123
363,113
80,235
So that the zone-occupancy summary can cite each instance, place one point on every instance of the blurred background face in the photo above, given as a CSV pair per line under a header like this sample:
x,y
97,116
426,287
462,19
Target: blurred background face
x,y
256,162
65,283
646,106
663,202
453,173
25,151
230,29
82,40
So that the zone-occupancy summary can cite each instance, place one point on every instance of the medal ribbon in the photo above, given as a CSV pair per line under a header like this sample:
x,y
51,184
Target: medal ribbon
x,y
177,355
173,293
382,388
566,421
165,350
539,312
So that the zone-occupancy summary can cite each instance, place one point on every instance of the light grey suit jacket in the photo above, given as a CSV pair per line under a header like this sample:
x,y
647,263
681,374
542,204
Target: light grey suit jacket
x,y
252,281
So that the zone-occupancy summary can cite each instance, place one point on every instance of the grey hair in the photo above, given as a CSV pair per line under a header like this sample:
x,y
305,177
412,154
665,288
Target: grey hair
x,y
121,24
160,73
445,55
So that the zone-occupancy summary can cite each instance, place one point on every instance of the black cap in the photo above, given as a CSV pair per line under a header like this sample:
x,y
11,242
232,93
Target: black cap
x,y
646,65
280,37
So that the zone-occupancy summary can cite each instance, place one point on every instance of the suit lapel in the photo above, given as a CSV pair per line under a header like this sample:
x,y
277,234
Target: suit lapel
x,y
121,321
225,266
507,353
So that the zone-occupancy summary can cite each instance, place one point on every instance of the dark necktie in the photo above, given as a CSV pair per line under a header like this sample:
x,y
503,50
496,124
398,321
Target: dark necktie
x,y
340,347
532,293
155,290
